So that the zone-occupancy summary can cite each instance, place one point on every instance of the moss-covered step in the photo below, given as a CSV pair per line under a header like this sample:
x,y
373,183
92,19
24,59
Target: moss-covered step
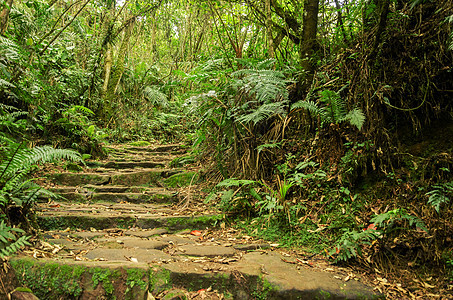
x,y
108,189
118,165
143,177
129,177
53,216
181,179
168,149
112,193
69,279
158,196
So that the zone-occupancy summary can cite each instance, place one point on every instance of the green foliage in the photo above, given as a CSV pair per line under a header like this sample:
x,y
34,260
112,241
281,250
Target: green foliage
x,y
332,109
9,242
389,220
155,97
440,195
350,244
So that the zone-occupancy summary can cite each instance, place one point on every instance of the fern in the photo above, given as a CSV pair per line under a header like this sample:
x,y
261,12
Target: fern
x,y
235,182
440,195
263,85
9,243
332,109
355,117
388,219
263,112
81,108
155,97
350,244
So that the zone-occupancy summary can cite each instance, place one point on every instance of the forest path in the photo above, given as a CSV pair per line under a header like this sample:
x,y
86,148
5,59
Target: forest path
x,y
125,229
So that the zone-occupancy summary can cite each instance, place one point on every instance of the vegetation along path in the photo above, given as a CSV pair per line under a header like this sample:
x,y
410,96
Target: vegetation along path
x,y
123,229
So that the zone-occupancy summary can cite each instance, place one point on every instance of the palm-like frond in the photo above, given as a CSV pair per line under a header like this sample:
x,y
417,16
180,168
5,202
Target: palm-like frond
x,y
262,112
9,244
263,85
333,109
155,97
356,118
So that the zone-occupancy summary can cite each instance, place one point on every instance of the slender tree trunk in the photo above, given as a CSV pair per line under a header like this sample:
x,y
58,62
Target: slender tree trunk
x,y
340,22
270,39
116,75
4,16
108,62
308,45
384,10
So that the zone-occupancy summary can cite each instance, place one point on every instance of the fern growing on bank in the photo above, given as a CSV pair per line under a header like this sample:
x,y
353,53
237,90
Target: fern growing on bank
x,y
440,195
331,108
18,191
9,242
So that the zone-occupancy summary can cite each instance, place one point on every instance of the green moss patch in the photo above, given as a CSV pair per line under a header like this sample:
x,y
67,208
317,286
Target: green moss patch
x,y
182,179
49,280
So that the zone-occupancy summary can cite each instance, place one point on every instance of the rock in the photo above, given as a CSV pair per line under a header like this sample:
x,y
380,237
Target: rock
x,y
23,294
146,233
248,247
142,255
145,244
207,251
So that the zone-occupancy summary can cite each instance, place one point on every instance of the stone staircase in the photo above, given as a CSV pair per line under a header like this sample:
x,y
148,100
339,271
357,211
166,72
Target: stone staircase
x,y
124,229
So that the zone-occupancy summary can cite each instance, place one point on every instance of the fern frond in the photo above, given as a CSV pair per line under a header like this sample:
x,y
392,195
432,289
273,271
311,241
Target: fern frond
x,y
156,97
9,244
263,85
13,247
234,182
262,112
311,106
4,83
355,117
439,195
22,160
81,108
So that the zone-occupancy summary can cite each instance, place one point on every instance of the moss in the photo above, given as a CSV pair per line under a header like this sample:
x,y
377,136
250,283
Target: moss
x,y
105,277
263,289
140,143
135,278
182,161
181,179
84,222
323,295
50,280
159,280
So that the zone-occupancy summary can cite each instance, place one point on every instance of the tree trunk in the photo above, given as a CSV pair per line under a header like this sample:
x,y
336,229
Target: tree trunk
x,y
308,45
270,39
116,75
4,16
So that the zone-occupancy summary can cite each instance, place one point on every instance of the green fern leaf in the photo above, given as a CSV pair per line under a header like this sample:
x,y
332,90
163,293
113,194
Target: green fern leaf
x,y
261,113
355,118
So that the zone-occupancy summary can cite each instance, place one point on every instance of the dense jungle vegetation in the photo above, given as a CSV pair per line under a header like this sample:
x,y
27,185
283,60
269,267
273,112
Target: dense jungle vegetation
x,y
326,125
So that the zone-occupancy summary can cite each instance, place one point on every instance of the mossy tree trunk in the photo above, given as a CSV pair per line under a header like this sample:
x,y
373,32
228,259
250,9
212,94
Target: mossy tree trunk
x,y
308,45
117,73
4,16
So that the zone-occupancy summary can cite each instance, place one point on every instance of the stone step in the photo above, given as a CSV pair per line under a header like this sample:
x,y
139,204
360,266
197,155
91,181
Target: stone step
x,y
57,215
108,189
129,177
144,264
167,149
117,165
155,195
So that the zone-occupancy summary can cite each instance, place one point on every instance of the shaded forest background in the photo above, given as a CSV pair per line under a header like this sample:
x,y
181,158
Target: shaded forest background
x,y
328,124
